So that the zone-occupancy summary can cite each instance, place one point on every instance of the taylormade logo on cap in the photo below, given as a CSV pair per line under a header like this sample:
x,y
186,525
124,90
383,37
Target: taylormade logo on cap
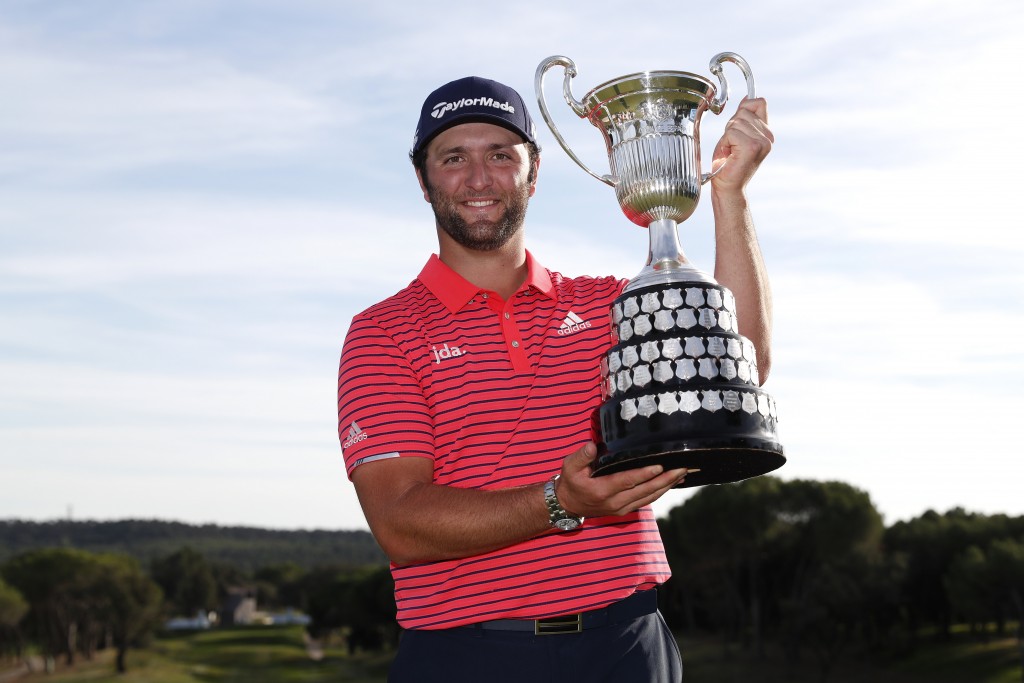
x,y
441,108
472,99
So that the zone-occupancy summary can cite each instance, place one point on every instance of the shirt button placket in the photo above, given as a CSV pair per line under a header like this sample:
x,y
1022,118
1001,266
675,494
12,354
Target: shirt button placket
x,y
512,337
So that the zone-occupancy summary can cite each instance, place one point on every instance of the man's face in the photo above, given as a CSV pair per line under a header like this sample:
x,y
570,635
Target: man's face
x,y
477,179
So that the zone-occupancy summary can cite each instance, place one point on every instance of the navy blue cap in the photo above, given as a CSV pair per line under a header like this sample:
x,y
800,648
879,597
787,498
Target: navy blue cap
x,y
472,99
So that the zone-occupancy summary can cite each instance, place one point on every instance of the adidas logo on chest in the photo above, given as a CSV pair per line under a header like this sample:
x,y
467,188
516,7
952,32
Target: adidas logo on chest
x,y
573,323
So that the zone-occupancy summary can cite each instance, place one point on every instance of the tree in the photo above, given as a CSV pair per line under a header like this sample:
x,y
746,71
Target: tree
x,y
826,530
187,581
370,600
838,608
76,597
1006,560
717,544
280,585
929,545
358,601
13,608
129,603
53,581
802,559
970,589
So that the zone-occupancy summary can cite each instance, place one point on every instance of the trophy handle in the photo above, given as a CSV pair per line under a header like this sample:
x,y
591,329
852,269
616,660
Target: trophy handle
x,y
576,105
717,104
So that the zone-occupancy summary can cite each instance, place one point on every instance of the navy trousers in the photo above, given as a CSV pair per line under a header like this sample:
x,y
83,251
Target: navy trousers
x,y
641,650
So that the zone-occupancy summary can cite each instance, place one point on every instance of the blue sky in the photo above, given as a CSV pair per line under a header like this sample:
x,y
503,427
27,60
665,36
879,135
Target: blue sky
x,y
196,197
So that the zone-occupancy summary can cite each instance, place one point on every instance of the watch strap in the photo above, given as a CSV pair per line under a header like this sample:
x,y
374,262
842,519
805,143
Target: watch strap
x,y
558,516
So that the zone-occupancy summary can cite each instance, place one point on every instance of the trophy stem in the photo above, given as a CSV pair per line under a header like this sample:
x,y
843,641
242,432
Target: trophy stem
x,y
666,262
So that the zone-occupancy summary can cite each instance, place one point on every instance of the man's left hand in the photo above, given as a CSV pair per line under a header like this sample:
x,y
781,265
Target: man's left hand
x,y
744,145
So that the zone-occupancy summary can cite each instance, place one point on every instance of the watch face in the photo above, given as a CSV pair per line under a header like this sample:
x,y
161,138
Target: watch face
x,y
567,523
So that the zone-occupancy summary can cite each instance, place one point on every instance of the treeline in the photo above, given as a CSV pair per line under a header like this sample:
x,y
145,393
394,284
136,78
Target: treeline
x,y
66,603
802,568
57,595
243,547
69,602
809,567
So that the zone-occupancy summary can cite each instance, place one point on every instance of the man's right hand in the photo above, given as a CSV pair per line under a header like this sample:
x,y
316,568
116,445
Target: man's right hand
x,y
615,494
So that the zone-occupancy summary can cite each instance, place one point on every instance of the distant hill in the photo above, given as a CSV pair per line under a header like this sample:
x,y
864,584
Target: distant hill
x,y
243,547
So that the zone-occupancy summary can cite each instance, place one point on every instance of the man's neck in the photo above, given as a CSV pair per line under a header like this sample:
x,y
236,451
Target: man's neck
x,y
502,270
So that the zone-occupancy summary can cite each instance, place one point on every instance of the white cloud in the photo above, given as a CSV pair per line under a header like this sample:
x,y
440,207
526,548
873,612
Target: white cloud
x,y
72,112
248,244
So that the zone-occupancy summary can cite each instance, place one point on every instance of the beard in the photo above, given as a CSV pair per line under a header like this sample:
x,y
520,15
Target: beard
x,y
481,235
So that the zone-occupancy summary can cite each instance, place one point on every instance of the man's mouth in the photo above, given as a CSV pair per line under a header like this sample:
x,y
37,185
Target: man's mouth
x,y
480,203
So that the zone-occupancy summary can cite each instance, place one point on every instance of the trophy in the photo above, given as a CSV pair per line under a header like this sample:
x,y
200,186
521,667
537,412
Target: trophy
x,y
680,385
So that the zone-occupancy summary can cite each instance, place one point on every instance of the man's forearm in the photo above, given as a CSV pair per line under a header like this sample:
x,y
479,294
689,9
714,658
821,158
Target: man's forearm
x,y
415,521
428,522
740,267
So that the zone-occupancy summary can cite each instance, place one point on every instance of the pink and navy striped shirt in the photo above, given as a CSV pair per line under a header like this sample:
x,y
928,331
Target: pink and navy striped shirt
x,y
496,393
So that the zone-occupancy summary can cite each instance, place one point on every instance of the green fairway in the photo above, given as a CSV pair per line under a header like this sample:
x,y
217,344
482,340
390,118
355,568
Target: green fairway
x,y
239,655
280,655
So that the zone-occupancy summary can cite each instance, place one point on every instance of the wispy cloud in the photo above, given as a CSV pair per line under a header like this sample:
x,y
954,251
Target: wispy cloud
x,y
72,114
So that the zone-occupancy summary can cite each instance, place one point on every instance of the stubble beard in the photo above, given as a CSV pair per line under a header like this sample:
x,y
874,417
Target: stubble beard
x,y
481,235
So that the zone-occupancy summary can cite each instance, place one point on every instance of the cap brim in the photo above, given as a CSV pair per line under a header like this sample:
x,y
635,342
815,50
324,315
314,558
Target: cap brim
x,y
475,117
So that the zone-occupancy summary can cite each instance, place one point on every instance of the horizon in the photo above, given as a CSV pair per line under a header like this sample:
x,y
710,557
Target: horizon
x,y
222,525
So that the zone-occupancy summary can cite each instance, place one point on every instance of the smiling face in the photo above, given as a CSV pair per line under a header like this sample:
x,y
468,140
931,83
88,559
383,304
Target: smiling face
x,y
478,179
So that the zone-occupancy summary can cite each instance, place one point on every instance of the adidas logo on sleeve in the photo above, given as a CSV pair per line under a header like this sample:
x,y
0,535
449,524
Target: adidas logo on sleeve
x,y
355,435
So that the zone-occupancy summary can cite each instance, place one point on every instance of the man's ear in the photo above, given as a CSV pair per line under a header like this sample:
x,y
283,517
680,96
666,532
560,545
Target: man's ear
x,y
423,186
536,172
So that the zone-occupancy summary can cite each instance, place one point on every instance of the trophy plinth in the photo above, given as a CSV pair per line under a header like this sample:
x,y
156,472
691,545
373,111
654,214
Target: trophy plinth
x,y
681,388
680,384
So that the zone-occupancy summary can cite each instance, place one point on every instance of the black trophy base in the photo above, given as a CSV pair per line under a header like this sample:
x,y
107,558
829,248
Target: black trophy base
x,y
681,389
710,461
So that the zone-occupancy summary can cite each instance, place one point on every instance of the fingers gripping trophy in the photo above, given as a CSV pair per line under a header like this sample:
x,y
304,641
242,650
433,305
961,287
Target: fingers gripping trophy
x,y
680,384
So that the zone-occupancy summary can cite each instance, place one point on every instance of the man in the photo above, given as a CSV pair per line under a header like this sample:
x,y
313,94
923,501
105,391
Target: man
x,y
465,419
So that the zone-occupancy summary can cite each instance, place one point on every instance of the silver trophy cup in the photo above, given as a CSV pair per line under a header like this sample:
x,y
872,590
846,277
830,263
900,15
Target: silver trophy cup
x,y
680,384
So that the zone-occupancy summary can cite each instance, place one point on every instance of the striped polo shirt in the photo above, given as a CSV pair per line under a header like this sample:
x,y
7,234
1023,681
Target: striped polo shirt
x,y
497,393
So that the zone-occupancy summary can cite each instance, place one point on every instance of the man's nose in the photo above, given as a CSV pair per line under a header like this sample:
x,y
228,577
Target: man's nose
x,y
479,176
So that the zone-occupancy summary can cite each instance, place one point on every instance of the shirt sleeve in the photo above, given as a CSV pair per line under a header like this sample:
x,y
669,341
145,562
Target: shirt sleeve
x,y
382,412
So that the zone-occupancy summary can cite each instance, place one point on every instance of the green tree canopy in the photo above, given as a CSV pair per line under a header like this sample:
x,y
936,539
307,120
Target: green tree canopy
x,y
129,602
75,597
187,581
13,607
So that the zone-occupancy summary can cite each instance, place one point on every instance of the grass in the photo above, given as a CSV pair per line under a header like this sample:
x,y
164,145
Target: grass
x,y
279,655
239,655
963,659
996,661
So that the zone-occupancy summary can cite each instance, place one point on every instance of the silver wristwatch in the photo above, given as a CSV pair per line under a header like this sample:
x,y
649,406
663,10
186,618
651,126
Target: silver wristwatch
x,y
560,519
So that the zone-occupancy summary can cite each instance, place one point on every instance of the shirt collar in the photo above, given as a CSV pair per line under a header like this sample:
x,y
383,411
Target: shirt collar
x,y
454,291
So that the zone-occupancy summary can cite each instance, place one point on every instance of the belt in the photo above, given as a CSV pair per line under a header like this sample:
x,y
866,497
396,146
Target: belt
x,y
637,605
